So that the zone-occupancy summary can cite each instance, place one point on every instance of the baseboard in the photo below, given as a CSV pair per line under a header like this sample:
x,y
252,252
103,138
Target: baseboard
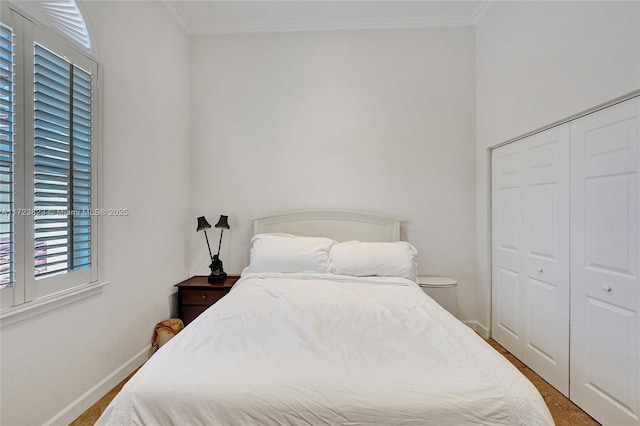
x,y
90,397
481,329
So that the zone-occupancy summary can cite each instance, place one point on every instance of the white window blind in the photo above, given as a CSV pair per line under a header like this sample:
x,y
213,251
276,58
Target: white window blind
x,y
6,159
48,173
62,164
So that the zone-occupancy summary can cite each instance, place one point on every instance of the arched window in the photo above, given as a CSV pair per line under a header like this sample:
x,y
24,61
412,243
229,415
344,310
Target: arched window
x,y
48,134
63,17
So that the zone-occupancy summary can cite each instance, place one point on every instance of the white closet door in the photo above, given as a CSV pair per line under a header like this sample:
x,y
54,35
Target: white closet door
x,y
507,249
605,361
530,274
546,255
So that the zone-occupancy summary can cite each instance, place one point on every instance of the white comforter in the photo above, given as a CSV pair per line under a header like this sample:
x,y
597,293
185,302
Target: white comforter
x,y
326,350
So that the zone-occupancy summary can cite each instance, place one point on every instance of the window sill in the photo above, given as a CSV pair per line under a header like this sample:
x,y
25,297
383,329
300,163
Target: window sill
x,y
31,309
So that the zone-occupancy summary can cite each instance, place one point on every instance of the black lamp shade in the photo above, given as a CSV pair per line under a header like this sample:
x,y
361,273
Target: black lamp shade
x,y
222,222
203,224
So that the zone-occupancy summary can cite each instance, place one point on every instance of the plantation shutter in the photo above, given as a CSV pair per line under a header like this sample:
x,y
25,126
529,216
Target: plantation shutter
x,y
6,159
62,164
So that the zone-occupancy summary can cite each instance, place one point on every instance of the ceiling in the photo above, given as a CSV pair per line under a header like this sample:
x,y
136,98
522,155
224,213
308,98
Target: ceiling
x,y
241,16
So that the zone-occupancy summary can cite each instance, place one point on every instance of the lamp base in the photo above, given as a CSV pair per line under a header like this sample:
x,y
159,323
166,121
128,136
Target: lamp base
x,y
216,277
217,271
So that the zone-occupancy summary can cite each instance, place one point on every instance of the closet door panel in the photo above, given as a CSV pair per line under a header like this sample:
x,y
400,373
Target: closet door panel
x,y
608,377
507,294
546,255
605,359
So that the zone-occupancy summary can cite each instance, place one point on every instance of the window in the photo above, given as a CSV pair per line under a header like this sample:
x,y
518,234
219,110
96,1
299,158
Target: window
x,y
6,156
48,228
62,167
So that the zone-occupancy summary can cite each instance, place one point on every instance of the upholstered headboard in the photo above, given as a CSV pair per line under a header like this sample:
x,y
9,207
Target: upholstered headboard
x,y
340,225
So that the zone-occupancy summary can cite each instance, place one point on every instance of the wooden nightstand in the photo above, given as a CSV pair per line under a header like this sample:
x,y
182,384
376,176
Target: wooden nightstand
x,y
196,294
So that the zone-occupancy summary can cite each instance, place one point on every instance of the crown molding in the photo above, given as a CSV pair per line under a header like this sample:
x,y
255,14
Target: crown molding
x,y
317,25
177,14
481,10
332,25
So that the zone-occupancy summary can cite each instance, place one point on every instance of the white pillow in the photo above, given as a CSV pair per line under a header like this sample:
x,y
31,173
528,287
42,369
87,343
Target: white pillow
x,y
395,259
289,253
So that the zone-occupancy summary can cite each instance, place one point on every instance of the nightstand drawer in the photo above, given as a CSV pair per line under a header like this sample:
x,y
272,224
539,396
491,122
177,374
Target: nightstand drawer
x,y
190,312
196,294
201,297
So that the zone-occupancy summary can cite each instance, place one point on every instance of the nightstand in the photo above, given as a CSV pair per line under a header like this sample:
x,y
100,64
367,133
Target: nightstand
x,y
195,295
442,290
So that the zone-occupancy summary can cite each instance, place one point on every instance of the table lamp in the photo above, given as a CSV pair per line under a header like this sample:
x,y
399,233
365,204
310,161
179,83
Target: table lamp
x,y
217,271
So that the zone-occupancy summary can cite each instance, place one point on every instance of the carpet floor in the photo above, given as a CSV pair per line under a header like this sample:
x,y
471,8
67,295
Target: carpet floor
x,y
564,412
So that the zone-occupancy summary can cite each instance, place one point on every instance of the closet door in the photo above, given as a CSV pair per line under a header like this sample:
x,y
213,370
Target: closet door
x,y
507,249
605,361
546,255
530,255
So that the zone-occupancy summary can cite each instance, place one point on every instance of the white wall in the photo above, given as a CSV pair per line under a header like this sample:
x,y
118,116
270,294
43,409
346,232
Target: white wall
x,y
50,360
374,120
540,62
369,120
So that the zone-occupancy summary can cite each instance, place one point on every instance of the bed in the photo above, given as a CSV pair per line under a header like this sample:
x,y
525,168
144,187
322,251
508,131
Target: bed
x,y
324,330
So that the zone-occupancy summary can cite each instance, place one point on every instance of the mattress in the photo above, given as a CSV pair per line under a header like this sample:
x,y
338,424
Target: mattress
x,y
323,349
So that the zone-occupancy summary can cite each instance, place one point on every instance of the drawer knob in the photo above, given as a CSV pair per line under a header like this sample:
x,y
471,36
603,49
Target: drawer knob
x,y
540,269
204,296
607,288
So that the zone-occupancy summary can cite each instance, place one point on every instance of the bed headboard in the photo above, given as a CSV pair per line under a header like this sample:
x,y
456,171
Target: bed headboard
x,y
340,225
